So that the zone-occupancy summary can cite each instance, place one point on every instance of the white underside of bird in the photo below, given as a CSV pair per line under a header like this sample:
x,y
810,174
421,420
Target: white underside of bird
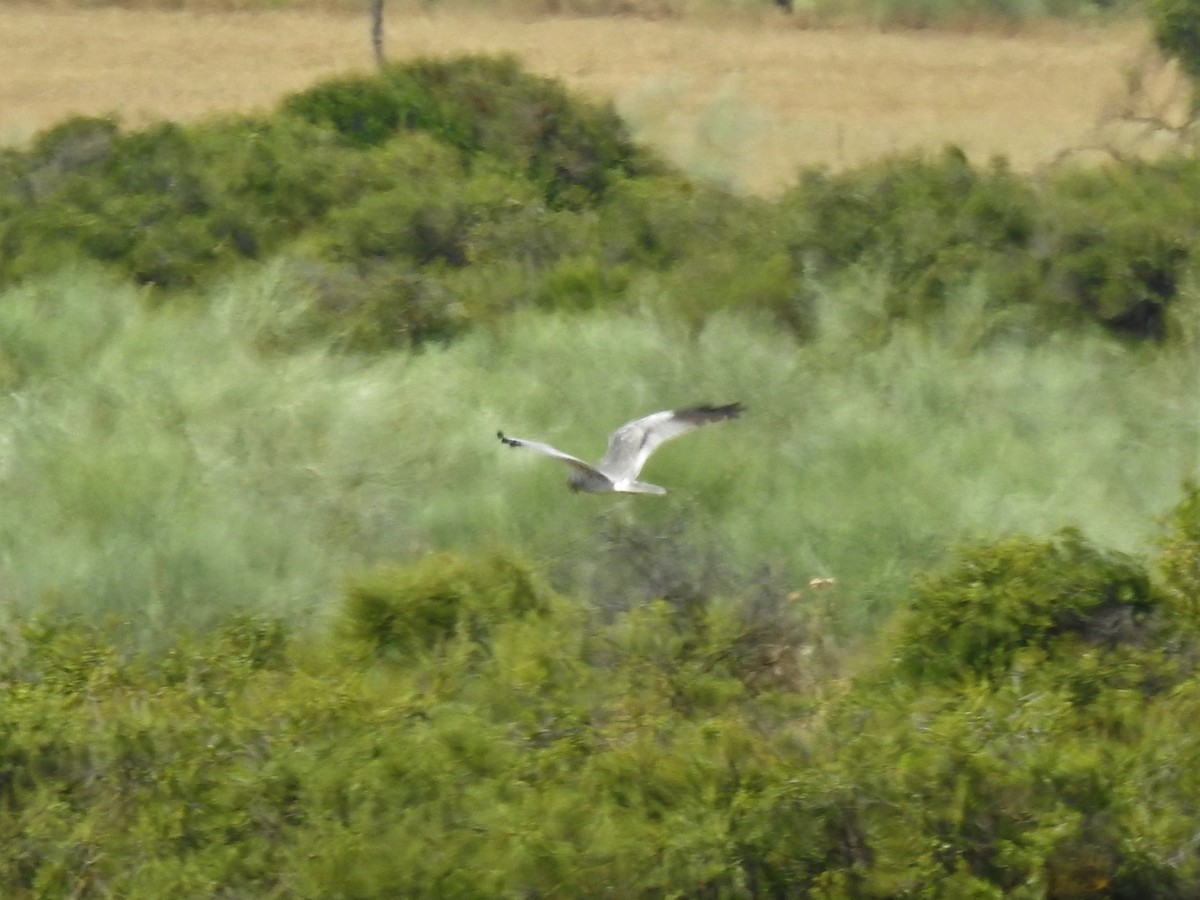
x,y
628,449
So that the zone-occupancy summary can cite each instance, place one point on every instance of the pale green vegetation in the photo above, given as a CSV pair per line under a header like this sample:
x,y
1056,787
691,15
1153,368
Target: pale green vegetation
x,y
158,466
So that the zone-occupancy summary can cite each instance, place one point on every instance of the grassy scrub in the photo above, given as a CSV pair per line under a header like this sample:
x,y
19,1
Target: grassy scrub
x,y
465,731
159,467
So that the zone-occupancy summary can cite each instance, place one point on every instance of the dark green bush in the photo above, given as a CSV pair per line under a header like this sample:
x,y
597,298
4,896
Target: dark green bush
x,y
383,284
930,224
716,252
1122,272
438,195
381,306
78,144
169,205
659,221
384,208
428,218
1000,599
1176,25
969,792
489,107
579,283
532,235
364,110
1117,243
1011,742
1109,245
416,607
248,761
1179,560
731,280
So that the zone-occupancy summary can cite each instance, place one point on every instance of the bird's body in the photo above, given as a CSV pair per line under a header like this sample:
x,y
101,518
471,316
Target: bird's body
x,y
628,449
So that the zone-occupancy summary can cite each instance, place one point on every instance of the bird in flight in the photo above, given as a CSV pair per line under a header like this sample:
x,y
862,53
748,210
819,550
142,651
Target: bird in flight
x,y
628,449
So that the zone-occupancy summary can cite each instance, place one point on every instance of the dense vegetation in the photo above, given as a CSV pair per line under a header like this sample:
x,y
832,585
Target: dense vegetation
x,y
443,195
471,733
280,618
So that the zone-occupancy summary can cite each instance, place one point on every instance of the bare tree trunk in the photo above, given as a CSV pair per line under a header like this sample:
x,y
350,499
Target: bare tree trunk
x,y
377,31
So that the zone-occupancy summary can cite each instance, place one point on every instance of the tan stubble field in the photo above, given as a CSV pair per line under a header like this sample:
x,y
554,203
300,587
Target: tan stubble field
x,y
746,101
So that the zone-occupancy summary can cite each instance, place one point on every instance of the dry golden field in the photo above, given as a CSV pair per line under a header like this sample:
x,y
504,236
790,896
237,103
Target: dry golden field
x,y
745,100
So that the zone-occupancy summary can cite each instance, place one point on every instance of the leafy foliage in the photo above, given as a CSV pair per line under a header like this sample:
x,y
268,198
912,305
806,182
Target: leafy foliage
x,y
1176,26
440,195
168,204
483,107
1180,559
1021,594
419,607
1109,246
456,754
1007,743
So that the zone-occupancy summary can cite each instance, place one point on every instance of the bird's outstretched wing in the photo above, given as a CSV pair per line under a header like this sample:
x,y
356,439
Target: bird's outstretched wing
x,y
631,445
546,450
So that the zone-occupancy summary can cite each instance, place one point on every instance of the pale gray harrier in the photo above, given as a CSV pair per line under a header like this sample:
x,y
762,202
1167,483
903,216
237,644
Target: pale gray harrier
x,y
629,447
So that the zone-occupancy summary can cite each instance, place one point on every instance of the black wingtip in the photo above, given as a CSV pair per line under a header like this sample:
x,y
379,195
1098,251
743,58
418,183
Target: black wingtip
x,y
505,440
710,413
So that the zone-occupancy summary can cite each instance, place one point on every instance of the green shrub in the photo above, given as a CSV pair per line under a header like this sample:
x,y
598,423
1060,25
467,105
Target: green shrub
x,y
907,211
441,194
77,144
739,281
170,205
579,283
986,792
489,107
426,219
1179,560
933,226
383,286
662,220
1122,273
416,607
532,235
1109,245
380,306
715,252
364,110
247,761
1176,26
1012,741
999,600
1117,243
